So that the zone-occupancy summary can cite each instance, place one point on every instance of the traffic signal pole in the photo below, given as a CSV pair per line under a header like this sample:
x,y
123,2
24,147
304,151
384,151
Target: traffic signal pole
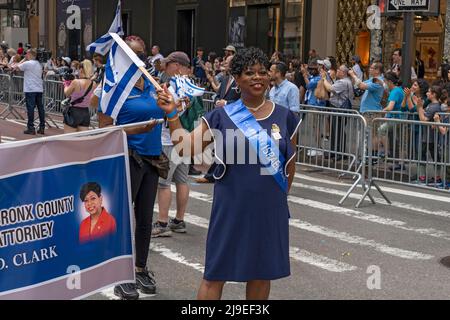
x,y
407,47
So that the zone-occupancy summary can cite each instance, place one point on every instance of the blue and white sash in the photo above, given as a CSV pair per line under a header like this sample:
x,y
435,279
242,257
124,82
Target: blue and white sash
x,y
264,146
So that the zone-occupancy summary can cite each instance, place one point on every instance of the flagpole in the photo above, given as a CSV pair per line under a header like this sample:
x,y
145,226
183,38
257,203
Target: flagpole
x,y
150,78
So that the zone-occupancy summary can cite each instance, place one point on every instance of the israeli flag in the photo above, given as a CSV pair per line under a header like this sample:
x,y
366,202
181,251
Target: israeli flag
x,y
183,87
103,45
121,74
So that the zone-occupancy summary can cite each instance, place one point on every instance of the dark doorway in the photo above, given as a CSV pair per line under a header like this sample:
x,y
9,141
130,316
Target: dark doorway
x,y
263,29
126,22
186,31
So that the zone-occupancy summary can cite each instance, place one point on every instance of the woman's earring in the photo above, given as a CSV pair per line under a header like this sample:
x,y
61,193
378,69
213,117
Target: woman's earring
x,y
238,90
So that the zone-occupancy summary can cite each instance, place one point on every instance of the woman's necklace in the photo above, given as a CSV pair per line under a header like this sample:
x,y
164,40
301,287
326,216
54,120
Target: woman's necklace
x,y
258,107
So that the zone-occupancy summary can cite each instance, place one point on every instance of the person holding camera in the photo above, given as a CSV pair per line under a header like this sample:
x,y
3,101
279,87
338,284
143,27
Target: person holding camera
x,y
33,88
79,91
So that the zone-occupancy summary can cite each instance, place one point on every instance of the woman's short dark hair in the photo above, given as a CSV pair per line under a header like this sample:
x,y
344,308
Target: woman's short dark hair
x,y
440,92
391,76
246,58
88,187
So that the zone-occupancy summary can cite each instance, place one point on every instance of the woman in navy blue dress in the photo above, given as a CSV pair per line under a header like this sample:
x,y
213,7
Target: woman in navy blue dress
x,y
248,236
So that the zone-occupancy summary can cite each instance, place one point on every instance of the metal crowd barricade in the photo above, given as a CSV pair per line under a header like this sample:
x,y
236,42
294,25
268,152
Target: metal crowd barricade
x,y
208,100
209,95
16,98
333,141
53,95
5,86
411,153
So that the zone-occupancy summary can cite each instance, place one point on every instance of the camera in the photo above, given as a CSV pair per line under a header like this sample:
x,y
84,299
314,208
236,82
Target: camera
x,y
43,55
100,72
67,74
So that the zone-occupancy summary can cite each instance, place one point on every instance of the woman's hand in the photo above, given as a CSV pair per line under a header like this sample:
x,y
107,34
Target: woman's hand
x,y
407,92
183,104
165,100
420,103
221,103
437,118
303,69
323,74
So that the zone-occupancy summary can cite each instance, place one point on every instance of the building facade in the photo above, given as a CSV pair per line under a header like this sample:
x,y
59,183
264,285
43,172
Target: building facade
x,y
340,28
13,22
273,25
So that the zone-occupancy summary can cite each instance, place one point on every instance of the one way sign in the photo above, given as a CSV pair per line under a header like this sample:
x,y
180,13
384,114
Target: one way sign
x,y
408,5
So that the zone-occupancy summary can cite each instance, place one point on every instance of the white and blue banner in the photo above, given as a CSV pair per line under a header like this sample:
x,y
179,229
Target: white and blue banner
x,y
103,45
65,217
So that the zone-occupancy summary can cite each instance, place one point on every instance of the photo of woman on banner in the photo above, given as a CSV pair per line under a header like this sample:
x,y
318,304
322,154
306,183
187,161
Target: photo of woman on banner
x,y
100,223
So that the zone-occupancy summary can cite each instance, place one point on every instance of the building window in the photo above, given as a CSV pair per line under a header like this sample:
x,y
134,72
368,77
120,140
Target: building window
x,y
293,28
237,3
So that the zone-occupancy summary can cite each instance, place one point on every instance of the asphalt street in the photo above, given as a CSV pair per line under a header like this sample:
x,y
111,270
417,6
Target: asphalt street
x,y
337,252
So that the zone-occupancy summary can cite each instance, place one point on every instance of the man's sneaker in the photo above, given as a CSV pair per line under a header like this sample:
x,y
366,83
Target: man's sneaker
x,y
41,131
435,182
30,131
160,231
145,281
179,227
126,291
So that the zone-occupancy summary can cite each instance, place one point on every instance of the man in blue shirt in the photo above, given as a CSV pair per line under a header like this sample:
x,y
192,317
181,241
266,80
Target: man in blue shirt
x,y
283,93
371,100
374,88
312,78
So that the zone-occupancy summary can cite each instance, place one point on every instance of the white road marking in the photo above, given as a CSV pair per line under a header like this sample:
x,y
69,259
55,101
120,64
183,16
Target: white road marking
x,y
368,217
319,261
414,194
17,122
397,204
346,212
7,139
169,254
295,253
345,237
162,250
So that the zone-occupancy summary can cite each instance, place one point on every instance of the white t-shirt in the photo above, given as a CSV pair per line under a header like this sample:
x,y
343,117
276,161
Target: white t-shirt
x,y
32,76
154,58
